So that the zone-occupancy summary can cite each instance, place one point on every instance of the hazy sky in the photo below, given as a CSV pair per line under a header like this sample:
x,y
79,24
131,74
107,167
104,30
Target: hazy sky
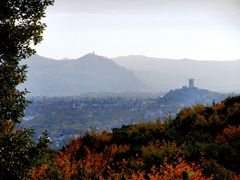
x,y
197,29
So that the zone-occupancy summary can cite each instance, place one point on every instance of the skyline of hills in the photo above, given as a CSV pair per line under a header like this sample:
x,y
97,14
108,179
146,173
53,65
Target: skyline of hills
x,y
164,74
90,73
98,74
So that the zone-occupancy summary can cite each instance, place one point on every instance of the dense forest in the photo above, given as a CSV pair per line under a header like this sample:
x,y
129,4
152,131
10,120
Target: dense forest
x,y
202,142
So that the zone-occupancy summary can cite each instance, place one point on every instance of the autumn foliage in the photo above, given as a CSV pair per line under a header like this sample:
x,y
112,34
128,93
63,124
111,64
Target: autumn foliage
x,y
200,143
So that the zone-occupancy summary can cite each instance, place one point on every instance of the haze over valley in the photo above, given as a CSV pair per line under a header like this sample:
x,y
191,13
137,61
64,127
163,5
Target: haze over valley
x,y
99,93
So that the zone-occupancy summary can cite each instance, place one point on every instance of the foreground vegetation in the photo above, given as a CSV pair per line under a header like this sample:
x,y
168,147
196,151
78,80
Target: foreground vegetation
x,y
20,29
200,143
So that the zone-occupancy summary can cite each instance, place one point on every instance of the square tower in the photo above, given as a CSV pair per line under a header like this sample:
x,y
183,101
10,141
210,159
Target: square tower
x,y
191,83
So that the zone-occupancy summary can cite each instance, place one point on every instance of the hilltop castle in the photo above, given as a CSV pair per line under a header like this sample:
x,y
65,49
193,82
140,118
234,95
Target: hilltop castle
x,y
190,84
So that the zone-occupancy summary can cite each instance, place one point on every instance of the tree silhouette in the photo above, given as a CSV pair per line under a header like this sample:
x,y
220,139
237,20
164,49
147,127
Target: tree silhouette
x,y
20,28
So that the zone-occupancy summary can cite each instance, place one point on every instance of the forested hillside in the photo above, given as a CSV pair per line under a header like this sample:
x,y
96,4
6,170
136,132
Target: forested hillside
x,y
202,142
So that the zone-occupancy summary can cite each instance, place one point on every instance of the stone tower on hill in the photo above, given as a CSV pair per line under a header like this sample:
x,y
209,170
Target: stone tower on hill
x,y
191,83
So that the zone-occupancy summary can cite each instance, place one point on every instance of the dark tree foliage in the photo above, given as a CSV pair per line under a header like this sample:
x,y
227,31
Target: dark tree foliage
x,y
20,29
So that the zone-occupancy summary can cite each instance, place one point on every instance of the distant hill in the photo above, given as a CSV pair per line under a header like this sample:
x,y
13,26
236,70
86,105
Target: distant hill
x,y
97,74
166,74
90,73
189,96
